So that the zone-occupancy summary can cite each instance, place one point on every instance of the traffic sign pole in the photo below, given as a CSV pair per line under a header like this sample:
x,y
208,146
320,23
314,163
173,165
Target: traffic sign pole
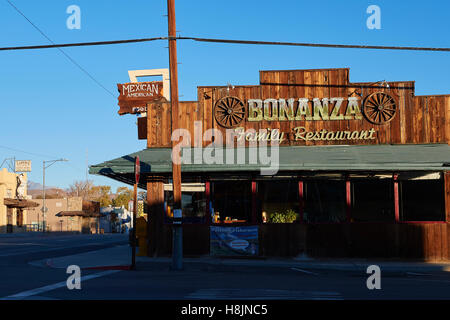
x,y
137,167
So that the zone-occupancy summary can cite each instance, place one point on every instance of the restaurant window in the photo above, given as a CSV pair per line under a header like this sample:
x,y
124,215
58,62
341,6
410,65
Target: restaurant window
x,y
373,200
193,203
231,201
279,201
422,200
324,201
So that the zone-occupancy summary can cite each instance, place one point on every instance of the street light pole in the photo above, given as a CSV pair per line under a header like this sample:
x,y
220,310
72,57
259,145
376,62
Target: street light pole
x,y
43,196
44,209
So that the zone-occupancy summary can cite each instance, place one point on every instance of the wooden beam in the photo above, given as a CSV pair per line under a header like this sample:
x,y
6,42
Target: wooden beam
x,y
447,195
348,199
254,203
176,167
177,240
396,199
208,200
301,199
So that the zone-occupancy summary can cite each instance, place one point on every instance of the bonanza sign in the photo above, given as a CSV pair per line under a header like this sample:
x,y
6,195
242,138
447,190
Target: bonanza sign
x,y
134,96
378,108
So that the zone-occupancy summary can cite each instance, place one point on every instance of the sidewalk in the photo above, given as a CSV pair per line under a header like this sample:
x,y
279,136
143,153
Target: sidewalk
x,y
119,257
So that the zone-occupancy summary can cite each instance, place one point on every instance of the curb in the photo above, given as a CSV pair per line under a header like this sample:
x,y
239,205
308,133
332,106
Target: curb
x,y
355,266
107,268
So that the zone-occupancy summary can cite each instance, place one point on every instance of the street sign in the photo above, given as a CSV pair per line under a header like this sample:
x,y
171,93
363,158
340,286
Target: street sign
x,y
134,97
137,169
22,166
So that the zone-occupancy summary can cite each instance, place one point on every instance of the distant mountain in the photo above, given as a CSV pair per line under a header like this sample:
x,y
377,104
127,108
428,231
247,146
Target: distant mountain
x,y
37,186
50,193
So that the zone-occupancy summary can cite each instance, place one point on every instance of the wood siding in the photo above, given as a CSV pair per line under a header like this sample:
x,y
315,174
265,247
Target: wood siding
x,y
419,119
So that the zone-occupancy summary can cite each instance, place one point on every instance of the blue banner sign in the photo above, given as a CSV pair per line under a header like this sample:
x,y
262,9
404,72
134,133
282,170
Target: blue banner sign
x,y
234,241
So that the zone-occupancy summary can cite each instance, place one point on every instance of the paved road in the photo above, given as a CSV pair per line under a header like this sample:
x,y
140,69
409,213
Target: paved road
x,y
18,250
257,283
199,280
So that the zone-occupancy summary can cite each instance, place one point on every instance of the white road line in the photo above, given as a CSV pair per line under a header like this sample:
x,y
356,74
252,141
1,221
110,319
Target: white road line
x,y
418,274
54,286
261,294
305,271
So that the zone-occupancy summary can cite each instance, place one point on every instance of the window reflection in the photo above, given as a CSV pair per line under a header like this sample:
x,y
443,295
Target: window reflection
x,y
193,206
324,201
231,201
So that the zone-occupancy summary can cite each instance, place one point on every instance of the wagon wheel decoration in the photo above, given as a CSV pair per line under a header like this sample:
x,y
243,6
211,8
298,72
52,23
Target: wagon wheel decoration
x,y
229,112
379,108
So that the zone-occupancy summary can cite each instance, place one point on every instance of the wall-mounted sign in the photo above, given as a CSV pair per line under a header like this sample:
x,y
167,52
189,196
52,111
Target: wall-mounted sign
x,y
22,166
134,96
302,134
378,108
234,241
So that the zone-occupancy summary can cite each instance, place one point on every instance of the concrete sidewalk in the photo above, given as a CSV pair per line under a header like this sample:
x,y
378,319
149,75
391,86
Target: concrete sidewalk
x,y
119,257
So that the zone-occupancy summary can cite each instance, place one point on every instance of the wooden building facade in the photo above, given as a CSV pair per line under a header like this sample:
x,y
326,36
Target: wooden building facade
x,y
361,169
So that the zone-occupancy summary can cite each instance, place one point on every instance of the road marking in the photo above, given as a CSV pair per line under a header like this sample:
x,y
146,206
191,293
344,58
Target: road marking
x,y
418,274
305,271
54,286
262,294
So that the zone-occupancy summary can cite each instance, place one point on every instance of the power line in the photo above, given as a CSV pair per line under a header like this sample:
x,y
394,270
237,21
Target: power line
x,y
319,45
30,153
82,44
64,53
229,41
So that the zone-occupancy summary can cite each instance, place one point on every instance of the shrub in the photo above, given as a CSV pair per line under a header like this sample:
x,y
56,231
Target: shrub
x,y
289,216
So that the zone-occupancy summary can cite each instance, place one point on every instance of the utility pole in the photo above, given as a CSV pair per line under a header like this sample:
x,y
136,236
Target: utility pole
x,y
44,209
177,239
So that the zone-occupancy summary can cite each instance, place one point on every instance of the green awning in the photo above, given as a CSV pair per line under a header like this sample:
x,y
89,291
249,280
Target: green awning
x,y
386,158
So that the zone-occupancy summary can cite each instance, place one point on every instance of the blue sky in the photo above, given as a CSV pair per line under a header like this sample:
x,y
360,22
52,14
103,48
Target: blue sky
x,y
50,109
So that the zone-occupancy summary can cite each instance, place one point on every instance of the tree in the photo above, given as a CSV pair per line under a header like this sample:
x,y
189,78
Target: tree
x,y
123,196
80,189
101,194
87,191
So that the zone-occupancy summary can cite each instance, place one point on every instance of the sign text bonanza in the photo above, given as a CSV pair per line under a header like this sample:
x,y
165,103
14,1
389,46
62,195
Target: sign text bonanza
x,y
304,109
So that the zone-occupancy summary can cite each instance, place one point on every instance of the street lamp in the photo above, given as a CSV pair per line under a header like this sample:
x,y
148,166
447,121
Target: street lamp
x,y
44,166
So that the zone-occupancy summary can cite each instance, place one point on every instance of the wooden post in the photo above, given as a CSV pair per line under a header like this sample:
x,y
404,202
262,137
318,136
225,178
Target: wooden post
x,y
447,195
177,252
254,218
155,203
301,200
208,199
396,199
348,197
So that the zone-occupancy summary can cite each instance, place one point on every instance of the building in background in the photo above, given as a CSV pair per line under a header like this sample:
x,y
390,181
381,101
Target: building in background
x,y
72,214
115,219
14,202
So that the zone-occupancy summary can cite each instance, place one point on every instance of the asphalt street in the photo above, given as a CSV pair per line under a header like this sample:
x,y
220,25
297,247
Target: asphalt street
x,y
154,280
17,251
